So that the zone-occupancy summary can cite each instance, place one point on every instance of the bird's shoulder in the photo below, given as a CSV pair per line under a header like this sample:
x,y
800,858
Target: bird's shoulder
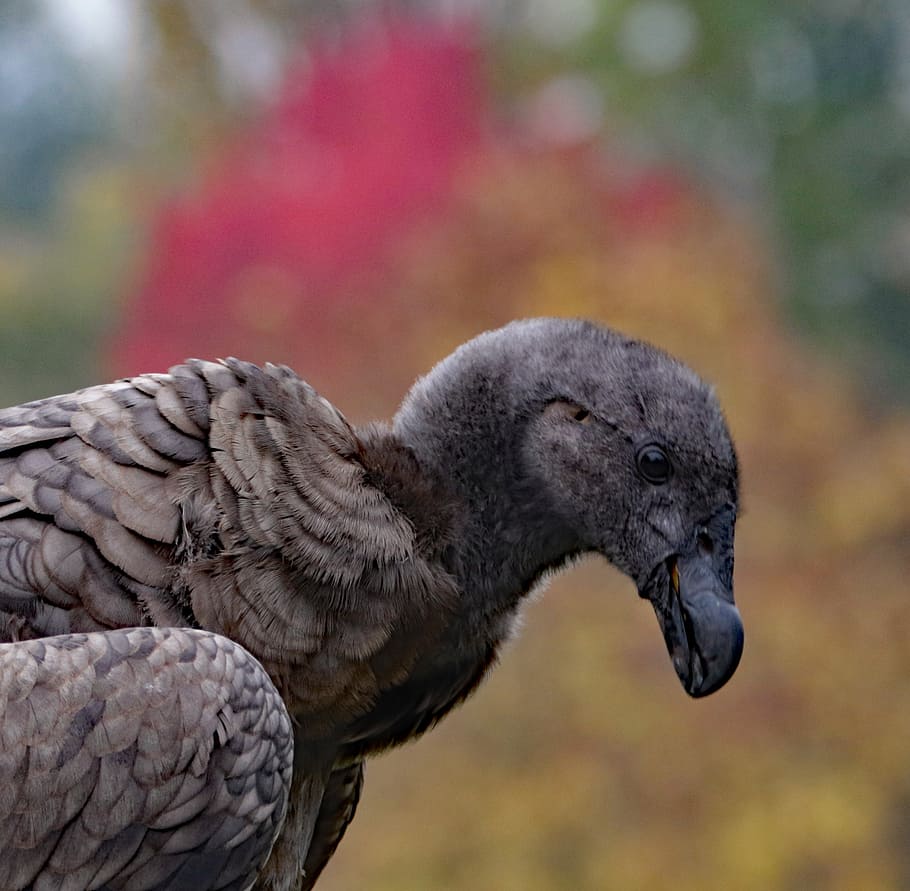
x,y
118,501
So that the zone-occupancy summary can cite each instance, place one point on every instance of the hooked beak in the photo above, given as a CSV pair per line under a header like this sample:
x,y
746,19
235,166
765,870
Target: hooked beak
x,y
692,595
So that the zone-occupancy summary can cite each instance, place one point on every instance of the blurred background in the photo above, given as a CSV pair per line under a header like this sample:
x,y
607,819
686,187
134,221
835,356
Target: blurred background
x,y
354,189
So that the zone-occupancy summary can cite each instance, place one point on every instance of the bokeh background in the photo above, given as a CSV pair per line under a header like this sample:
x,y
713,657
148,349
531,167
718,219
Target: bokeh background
x,y
354,189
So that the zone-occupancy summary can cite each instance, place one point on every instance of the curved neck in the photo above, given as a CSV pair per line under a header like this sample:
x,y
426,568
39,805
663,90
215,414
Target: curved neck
x,y
508,534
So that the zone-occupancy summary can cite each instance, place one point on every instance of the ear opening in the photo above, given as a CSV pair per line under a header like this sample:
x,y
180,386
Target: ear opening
x,y
567,410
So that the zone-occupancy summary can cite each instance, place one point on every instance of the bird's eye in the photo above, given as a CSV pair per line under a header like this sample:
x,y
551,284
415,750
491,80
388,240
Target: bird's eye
x,y
581,415
653,464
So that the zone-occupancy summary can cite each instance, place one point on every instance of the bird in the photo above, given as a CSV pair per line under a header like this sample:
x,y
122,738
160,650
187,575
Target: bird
x,y
374,571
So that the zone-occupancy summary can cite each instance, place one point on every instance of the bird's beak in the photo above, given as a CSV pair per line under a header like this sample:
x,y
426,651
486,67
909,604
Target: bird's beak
x,y
692,594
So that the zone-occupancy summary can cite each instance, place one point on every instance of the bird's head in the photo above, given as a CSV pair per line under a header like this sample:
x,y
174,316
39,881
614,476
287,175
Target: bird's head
x,y
567,438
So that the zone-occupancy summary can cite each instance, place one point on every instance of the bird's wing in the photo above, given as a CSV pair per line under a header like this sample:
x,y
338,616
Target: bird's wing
x,y
116,501
234,498
315,569
142,758
299,514
89,509
339,802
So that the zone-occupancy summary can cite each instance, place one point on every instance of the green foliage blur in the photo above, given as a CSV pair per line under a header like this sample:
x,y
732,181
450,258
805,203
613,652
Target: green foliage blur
x,y
726,179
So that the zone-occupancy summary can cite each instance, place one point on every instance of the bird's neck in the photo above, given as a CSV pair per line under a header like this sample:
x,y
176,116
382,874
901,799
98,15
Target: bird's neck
x,y
503,536
504,552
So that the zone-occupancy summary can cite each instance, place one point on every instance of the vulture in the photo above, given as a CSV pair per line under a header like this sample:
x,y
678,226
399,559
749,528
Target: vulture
x,y
209,575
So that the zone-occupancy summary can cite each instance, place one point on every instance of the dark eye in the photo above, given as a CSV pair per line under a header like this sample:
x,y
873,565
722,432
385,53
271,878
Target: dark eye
x,y
653,464
581,414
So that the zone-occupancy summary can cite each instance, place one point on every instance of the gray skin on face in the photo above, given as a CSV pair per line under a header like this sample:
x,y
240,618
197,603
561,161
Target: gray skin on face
x,y
539,426
373,571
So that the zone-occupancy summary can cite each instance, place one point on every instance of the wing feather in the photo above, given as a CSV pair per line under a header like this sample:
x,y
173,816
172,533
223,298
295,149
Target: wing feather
x,y
104,785
339,803
103,424
174,409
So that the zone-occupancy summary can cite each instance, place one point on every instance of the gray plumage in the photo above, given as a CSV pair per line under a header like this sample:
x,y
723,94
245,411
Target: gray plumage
x,y
373,572
142,759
